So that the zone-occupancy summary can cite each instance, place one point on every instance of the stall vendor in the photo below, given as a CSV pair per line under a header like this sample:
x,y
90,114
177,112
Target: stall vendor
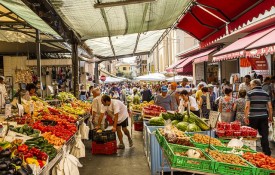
x,y
118,111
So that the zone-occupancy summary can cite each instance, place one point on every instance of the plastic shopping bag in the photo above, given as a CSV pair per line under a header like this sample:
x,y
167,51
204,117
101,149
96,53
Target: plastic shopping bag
x,y
84,131
71,165
78,149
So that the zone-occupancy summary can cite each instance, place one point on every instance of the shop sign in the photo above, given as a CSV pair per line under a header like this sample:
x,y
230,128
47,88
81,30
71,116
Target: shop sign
x,y
260,65
229,56
262,51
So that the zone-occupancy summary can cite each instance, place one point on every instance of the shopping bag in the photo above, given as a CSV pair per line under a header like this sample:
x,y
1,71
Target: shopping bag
x,y
84,131
78,149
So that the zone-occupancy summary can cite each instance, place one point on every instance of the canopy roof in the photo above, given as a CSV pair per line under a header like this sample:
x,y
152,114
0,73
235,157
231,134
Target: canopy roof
x,y
120,30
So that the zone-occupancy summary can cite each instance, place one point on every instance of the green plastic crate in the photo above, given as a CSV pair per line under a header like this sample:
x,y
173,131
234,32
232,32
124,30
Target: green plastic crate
x,y
224,149
262,171
159,138
183,162
233,169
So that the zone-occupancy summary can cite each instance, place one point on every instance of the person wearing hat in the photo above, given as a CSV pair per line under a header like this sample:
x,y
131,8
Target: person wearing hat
x,y
164,99
174,96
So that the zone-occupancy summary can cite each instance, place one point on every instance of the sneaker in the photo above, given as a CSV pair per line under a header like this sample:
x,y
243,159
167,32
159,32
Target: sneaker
x,y
131,143
121,146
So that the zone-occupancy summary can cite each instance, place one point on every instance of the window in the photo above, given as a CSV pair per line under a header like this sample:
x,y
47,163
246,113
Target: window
x,y
124,68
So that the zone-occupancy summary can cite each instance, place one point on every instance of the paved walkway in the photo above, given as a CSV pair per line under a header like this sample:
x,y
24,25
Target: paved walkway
x,y
131,161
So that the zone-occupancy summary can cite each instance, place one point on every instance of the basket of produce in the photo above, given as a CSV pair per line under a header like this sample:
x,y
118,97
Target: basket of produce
x,y
230,164
25,131
189,158
176,136
265,164
202,141
100,136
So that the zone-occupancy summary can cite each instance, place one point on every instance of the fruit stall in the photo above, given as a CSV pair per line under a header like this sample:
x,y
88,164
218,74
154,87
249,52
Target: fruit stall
x,y
44,137
189,146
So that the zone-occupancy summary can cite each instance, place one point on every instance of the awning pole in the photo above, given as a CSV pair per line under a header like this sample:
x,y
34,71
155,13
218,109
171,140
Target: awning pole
x,y
96,74
75,70
226,22
38,57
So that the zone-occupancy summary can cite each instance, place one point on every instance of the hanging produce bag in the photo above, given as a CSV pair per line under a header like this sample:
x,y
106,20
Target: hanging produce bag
x,y
84,131
78,149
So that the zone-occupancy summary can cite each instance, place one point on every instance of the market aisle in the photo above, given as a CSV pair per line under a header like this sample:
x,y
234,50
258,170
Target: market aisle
x,y
129,161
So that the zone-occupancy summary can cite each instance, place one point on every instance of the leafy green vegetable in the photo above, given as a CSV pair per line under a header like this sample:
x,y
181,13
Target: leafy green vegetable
x,y
175,122
193,128
182,126
157,121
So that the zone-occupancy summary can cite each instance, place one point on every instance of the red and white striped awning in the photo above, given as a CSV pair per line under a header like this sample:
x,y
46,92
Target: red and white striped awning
x,y
171,67
237,49
264,46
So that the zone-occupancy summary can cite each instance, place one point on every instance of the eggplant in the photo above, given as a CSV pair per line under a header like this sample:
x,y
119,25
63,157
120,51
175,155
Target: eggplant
x,y
3,166
17,161
12,169
22,171
27,168
5,153
5,173
7,160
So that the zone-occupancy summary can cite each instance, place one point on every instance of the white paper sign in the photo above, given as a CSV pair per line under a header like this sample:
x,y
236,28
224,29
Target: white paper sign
x,y
213,118
31,108
20,109
8,110
51,89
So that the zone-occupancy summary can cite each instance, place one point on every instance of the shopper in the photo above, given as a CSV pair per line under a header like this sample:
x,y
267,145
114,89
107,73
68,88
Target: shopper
x,y
83,93
164,99
188,102
226,105
212,96
267,86
3,91
258,111
146,93
184,82
96,108
204,103
246,84
239,106
31,91
118,111
199,92
174,96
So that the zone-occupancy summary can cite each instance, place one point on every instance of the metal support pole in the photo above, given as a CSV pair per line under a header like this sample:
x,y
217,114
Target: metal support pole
x,y
96,73
38,57
75,70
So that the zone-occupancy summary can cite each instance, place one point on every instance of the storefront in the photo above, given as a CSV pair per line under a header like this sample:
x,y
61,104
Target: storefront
x,y
247,55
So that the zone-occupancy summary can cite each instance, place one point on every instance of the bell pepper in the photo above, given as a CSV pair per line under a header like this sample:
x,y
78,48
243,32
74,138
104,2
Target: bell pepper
x,y
41,163
22,148
32,161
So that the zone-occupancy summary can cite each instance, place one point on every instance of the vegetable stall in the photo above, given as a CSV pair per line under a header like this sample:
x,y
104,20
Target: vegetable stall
x,y
187,145
37,141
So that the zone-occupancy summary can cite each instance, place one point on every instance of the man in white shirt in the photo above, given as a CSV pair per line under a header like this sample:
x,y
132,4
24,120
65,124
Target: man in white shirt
x,y
246,84
118,111
96,107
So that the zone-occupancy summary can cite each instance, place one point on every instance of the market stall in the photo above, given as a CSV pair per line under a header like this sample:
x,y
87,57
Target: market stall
x,y
38,140
189,146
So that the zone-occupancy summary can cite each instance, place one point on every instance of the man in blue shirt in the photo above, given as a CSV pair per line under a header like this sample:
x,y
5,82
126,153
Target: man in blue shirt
x,y
258,112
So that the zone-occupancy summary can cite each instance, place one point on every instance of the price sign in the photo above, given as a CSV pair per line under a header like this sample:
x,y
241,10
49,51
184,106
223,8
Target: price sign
x,y
213,118
20,109
8,110
51,89
31,108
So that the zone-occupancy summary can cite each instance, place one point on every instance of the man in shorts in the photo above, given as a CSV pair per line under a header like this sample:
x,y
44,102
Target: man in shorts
x,y
118,111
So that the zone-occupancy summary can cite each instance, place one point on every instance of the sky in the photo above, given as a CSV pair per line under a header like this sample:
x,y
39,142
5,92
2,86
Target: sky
x,y
129,60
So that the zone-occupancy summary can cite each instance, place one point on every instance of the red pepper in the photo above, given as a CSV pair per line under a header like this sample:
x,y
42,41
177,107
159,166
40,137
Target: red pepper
x,y
22,148
41,164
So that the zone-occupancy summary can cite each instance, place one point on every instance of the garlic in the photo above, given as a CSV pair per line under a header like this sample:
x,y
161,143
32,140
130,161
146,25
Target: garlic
x,y
191,153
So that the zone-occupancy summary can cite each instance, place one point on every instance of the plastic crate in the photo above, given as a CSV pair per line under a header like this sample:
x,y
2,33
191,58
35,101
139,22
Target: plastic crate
x,y
103,137
261,171
105,148
159,137
154,153
184,162
137,117
138,126
233,169
224,149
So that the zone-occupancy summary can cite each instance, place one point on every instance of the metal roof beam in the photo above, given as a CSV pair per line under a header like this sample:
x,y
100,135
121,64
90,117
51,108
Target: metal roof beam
x,y
142,23
104,16
120,56
5,14
121,3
